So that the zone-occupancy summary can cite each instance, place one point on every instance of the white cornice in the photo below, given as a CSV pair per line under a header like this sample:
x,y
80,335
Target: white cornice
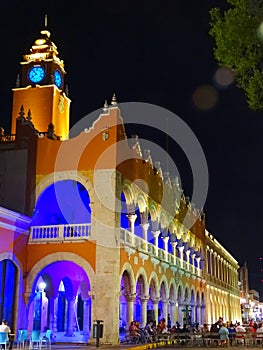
x,y
12,228
12,215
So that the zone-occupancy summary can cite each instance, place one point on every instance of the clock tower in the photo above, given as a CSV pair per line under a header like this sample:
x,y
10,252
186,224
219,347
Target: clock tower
x,y
41,88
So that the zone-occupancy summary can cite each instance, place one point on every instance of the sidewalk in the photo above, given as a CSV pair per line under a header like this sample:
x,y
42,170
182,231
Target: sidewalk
x,y
125,346
159,345
121,346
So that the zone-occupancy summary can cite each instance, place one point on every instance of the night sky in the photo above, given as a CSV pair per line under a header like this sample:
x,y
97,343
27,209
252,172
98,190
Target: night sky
x,y
159,52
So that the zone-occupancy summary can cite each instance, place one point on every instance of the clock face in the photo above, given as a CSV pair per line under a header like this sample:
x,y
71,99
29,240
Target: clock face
x,y
36,74
57,78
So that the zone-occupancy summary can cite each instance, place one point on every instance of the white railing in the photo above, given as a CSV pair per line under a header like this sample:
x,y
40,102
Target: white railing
x,y
128,238
59,232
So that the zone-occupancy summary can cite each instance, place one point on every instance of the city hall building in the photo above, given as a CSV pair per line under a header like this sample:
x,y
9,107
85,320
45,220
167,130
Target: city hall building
x,y
83,240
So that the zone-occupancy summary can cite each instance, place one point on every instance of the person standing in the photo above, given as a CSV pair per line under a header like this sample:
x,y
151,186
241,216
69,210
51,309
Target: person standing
x,y
5,328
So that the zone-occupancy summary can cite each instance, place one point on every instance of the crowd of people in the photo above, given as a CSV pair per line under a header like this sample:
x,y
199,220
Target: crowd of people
x,y
229,331
149,333
220,333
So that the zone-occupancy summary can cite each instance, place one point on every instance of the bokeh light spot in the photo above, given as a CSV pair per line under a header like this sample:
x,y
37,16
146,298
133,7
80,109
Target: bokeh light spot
x,y
224,77
205,97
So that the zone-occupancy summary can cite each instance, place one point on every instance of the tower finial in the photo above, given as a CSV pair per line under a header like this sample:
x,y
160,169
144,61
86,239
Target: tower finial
x,y
105,107
114,99
45,21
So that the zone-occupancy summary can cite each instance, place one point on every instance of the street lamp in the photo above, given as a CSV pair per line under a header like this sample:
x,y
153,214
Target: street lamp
x,y
42,286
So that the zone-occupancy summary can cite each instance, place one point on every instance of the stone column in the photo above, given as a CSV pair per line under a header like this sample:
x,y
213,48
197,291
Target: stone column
x,y
132,218
173,312
165,241
198,313
86,316
180,314
55,318
181,249
155,307
156,235
144,302
130,309
144,234
193,313
174,244
188,260
70,318
198,265
203,318
193,262
165,309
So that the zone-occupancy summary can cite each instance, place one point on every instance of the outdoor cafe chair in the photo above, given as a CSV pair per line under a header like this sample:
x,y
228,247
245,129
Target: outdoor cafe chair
x,y
259,338
35,340
240,338
3,339
46,339
22,338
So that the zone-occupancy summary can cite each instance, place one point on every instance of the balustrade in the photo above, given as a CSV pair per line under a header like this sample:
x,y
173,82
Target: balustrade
x,y
59,232
128,238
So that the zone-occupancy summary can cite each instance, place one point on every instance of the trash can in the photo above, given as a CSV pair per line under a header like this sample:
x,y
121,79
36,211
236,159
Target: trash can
x,y
98,331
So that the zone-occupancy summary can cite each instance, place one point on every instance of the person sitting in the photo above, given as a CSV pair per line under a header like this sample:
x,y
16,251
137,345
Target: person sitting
x,y
185,329
134,332
151,331
223,335
176,328
240,333
251,327
232,333
214,333
137,332
162,326
205,328
206,334
219,322
240,328
259,334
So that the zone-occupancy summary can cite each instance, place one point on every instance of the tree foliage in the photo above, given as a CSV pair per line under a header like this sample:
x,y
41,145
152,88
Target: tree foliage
x,y
238,35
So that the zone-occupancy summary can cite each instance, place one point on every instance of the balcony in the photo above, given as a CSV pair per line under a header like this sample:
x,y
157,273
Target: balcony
x,y
56,233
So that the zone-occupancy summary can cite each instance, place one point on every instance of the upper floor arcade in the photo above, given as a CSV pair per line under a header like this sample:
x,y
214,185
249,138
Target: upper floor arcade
x,y
221,268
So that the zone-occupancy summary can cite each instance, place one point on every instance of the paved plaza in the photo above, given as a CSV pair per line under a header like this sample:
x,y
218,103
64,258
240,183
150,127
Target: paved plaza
x,y
123,346
130,347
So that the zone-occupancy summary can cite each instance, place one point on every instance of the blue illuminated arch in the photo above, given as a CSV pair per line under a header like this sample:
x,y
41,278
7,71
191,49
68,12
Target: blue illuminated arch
x,y
64,202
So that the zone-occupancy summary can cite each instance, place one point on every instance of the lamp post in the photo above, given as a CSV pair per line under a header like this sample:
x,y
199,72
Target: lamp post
x,y
38,305
187,310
